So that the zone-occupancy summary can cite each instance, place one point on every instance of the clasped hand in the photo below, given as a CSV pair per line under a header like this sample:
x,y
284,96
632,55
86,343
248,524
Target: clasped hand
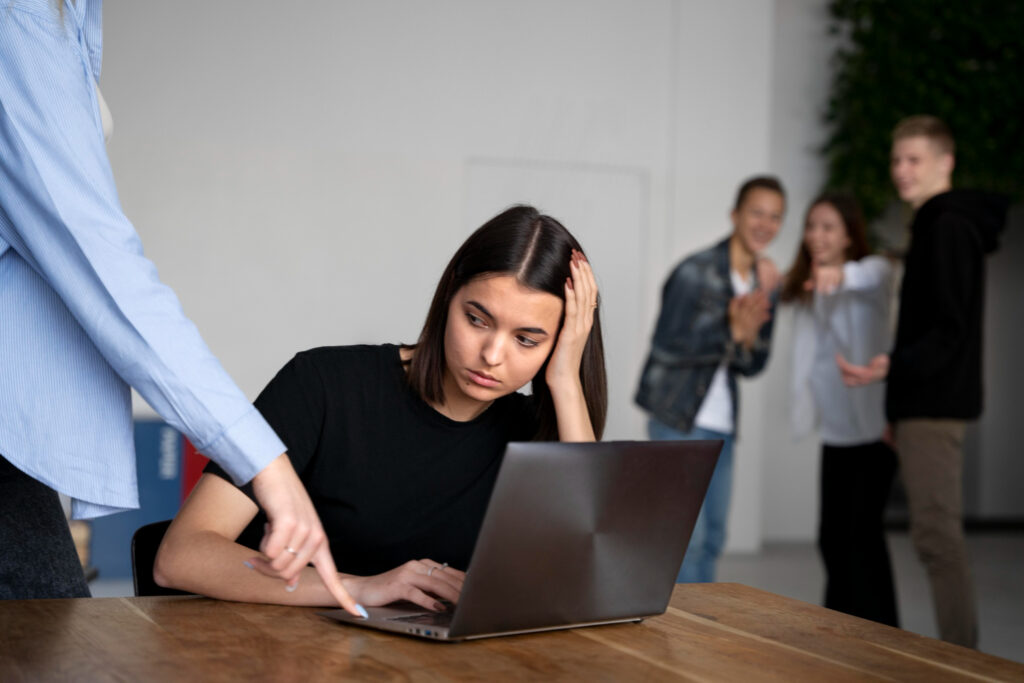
x,y
747,313
768,277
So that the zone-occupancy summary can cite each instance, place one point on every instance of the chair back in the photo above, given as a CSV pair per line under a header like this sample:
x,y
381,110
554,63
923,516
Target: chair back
x,y
145,542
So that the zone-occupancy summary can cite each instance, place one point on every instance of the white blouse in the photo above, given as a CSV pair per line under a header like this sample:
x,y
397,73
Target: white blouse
x,y
855,322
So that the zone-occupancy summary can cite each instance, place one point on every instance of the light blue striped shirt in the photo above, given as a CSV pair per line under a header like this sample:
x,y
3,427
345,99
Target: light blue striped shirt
x,y
83,314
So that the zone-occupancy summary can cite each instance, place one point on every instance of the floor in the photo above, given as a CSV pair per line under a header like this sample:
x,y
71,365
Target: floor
x,y
794,570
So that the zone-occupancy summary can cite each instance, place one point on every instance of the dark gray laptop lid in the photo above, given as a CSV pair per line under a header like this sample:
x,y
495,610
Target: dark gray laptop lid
x,y
583,532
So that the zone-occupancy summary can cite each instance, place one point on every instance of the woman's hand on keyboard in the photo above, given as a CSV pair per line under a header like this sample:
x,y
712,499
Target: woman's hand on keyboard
x,y
424,582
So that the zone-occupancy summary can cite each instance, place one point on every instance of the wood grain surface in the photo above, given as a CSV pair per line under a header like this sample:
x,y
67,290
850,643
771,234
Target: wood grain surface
x,y
711,632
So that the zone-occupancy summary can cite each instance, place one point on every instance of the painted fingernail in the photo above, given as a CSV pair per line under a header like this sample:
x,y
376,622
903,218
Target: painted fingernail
x,y
362,611
248,564
290,587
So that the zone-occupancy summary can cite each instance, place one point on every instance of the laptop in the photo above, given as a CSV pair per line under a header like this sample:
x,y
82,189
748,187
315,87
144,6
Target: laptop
x,y
575,534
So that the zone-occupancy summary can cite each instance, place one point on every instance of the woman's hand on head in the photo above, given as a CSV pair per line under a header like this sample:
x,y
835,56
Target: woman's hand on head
x,y
423,582
580,306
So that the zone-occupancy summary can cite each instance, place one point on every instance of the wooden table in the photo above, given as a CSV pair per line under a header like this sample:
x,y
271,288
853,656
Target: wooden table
x,y
720,631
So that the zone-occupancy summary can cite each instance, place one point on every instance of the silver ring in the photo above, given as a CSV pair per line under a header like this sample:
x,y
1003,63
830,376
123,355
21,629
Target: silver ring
x,y
292,550
431,570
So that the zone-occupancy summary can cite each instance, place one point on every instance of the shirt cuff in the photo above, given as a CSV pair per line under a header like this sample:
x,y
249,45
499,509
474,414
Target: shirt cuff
x,y
868,273
83,509
245,448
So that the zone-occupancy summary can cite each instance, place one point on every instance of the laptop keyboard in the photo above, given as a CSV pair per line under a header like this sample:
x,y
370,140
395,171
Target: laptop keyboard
x,y
427,619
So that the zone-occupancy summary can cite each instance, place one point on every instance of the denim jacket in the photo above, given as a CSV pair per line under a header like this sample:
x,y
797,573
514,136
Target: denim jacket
x,y
692,338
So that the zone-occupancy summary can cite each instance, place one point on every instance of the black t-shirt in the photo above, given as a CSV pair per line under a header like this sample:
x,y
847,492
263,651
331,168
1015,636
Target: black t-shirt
x,y
391,478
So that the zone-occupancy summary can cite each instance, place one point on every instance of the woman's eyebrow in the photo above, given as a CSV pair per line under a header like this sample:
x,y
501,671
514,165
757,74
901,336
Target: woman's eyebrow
x,y
480,307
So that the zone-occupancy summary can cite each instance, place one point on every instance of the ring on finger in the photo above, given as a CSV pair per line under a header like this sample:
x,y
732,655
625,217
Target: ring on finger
x,y
292,550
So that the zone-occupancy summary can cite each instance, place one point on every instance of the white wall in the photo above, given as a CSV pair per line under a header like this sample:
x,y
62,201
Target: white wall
x,y
301,173
801,79
993,455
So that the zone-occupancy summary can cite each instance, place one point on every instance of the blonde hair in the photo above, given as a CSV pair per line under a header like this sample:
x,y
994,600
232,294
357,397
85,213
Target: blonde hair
x,y
923,125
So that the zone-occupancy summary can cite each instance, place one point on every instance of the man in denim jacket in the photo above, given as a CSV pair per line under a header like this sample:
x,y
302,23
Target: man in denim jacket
x,y
715,322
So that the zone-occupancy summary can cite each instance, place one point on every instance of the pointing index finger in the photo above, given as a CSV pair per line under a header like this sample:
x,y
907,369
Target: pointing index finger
x,y
324,564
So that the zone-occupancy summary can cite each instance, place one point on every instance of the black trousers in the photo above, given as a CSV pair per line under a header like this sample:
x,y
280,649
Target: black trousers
x,y
37,555
855,484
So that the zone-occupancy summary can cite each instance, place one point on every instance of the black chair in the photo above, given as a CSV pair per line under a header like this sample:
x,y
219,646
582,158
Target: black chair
x,y
145,542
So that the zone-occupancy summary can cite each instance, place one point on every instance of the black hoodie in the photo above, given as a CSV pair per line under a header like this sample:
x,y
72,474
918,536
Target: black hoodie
x,y
935,367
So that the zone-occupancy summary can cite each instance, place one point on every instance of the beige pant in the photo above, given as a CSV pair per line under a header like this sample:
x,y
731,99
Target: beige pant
x,y
931,465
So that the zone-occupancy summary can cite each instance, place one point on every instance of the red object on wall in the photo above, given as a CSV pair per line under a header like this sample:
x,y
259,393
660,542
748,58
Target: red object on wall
x,y
194,462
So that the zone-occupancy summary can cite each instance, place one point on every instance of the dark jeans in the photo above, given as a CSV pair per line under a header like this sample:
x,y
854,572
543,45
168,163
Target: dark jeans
x,y
855,484
37,555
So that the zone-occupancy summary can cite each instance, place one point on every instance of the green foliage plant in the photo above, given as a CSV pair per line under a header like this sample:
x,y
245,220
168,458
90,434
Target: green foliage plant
x,y
960,61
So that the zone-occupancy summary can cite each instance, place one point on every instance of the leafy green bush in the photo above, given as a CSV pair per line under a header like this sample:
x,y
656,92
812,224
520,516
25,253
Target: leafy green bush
x,y
960,61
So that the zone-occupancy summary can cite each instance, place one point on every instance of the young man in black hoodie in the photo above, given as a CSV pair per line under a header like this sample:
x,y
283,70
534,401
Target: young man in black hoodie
x,y
934,370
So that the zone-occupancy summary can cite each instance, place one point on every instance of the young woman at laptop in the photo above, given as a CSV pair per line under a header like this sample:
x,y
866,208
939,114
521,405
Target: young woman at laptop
x,y
399,445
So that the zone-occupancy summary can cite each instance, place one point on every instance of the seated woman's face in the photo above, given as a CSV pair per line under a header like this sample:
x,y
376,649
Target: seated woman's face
x,y
499,333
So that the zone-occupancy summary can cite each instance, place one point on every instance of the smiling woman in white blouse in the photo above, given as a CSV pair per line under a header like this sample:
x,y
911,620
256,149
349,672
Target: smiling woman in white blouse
x,y
842,295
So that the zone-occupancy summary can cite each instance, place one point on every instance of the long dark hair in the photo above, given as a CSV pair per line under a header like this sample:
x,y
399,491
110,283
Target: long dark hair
x,y
853,222
535,249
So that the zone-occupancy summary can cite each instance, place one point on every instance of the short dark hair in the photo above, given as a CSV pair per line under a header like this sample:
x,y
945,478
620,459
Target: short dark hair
x,y
535,249
927,126
764,182
853,222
